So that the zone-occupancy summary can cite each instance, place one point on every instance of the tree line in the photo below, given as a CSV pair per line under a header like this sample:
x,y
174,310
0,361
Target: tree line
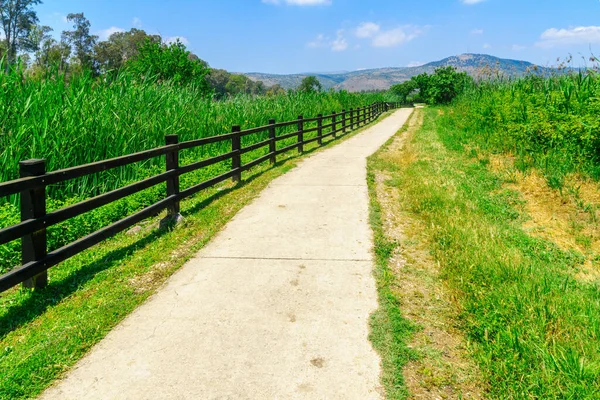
x,y
33,48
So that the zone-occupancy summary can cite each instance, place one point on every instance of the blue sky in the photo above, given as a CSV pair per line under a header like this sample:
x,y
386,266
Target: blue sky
x,y
294,36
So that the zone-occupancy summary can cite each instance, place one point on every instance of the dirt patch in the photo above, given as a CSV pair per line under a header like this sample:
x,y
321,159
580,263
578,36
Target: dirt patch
x,y
443,369
568,217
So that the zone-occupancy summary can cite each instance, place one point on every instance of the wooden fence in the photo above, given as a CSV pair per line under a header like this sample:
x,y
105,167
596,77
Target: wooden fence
x,y
31,187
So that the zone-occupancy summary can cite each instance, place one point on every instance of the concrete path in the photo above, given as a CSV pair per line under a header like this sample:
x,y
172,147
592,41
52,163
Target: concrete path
x,y
275,307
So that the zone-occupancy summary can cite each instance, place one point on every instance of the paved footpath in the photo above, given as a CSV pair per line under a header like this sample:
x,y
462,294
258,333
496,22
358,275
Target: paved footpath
x,y
276,307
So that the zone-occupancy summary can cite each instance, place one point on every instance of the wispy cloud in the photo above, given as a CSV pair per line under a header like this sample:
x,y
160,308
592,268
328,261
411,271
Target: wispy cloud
x,y
397,36
415,64
136,22
105,33
299,2
339,43
387,38
563,37
367,29
477,32
470,2
487,46
518,47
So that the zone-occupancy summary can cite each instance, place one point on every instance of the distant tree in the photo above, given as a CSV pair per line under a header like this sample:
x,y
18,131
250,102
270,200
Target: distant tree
x,y
51,54
225,84
112,54
172,63
404,89
442,86
310,84
81,40
18,19
38,36
276,90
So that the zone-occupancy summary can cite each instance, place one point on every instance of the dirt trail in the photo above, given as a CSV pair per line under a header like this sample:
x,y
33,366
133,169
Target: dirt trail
x,y
275,307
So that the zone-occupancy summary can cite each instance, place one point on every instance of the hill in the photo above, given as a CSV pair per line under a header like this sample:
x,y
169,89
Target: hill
x,y
382,78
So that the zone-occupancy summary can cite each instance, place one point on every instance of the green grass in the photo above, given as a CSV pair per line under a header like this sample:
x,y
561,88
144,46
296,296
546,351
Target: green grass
x,y
549,123
534,328
43,333
390,331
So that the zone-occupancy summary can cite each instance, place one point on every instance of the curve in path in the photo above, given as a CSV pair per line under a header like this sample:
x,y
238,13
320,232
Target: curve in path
x,y
275,307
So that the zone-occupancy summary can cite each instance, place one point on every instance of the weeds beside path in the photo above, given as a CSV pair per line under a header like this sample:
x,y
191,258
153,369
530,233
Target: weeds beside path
x,y
515,258
415,327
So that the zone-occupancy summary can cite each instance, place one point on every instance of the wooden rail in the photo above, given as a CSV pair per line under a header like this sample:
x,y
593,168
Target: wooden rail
x,y
31,187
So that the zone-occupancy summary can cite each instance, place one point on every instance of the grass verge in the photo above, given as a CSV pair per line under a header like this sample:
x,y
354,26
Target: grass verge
x,y
390,330
43,333
534,327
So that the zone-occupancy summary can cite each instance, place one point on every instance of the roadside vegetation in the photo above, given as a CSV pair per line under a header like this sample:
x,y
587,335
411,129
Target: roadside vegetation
x,y
502,189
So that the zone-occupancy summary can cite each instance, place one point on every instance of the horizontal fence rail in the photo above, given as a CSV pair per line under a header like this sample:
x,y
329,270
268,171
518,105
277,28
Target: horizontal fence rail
x,y
34,179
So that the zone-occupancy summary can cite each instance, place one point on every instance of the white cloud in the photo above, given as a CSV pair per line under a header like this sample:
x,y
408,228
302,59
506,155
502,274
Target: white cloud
x,y
576,35
487,46
415,64
469,2
477,32
299,2
397,36
518,47
367,29
136,22
339,43
321,41
174,39
105,33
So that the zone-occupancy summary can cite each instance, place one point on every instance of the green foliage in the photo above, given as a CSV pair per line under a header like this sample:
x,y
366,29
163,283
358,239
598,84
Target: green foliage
x,y
550,123
112,54
404,89
310,84
17,19
170,62
225,84
81,40
440,88
533,327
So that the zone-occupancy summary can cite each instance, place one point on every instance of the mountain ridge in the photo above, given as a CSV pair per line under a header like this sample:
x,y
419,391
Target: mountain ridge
x,y
476,65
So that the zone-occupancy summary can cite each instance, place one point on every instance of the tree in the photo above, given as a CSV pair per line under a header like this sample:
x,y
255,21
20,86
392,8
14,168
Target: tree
x,y
52,54
170,63
18,19
404,89
276,90
81,40
310,84
112,54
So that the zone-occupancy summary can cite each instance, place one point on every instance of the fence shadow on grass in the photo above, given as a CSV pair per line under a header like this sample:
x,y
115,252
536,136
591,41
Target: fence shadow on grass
x,y
41,299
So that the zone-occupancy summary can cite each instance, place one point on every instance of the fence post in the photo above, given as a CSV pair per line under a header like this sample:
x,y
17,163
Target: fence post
x,y
333,123
300,134
343,121
236,159
360,120
272,143
351,119
172,162
320,129
33,205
